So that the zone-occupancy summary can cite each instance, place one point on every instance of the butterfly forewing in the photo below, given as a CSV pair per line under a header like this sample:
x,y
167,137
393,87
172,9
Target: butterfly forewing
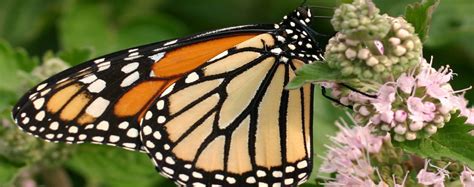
x,y
102,101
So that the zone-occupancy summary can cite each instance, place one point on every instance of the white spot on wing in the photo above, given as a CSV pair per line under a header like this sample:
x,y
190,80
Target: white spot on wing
x,y
197,175
170,42
103,125
88,79
160,104
289,181
133,54
104,66
123,125
98,138
97,86
158,156
191,77
41,86
114,138
129,80
148,115
40,116
132,133
26,120
168,90
99,60
251,180
38,103
219,56
157,135
157,57
302,164
161,119
130,67
183,177
97,107
73,129
147,130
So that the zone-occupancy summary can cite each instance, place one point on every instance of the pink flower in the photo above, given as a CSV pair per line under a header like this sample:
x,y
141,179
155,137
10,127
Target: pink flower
x,y
461,103
385,98
426,177
348,157
406,83
419,111
467,177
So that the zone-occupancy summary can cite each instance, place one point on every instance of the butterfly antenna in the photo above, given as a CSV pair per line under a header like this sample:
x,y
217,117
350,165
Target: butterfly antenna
x,y
324,93
323,17
358,91
321,7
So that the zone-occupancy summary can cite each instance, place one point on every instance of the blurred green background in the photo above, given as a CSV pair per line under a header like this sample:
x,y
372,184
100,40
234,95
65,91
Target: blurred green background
x,y
32,31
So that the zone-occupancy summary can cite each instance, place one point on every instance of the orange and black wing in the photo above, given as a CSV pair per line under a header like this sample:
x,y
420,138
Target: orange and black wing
x,y
230,122
102,100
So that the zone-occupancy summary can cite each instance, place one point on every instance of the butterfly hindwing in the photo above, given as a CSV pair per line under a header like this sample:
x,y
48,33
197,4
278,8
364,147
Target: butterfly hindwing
x,y
102,101
231,122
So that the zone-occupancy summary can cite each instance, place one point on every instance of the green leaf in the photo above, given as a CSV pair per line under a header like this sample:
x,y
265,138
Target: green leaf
x,y
315,72
452,141
12,62
8,171
22,21
419,15
110,166
75,56
107,27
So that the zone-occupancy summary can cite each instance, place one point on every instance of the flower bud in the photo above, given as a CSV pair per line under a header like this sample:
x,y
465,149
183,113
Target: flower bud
x,y
399,138
350,54
430,129
387,117
385,127
410,135
401,116
364,111
376,120
394,41
363,54
400,50
439,119
400,129
416,126
403,34
372,61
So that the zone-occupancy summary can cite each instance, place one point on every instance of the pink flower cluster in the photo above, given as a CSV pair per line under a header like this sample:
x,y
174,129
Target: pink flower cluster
x,y
436,179
415,104
348,158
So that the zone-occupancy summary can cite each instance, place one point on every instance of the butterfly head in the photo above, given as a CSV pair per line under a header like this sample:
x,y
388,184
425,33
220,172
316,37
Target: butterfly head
x,y
296,36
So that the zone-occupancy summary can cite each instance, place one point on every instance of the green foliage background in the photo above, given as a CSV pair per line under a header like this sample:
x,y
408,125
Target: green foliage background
x,y
76,30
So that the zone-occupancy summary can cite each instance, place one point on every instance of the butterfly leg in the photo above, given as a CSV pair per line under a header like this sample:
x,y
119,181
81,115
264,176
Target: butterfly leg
x,y
324,93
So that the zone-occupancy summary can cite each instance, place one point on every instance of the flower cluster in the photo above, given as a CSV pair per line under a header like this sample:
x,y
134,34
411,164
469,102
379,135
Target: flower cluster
x,y
361,19
20,147
395,49
356,148
415,105
348,158
396,95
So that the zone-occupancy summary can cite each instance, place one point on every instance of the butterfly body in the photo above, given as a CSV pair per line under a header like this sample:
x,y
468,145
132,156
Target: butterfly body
x,y
210,109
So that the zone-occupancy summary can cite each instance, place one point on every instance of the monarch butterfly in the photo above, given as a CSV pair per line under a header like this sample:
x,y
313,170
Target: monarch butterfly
x,y
209,109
